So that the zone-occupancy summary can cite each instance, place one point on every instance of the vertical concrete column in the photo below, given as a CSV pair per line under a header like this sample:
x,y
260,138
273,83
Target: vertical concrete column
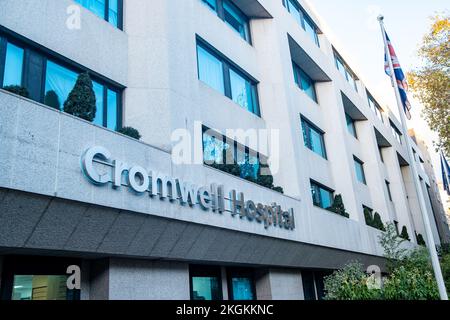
x,y
279,285
99,280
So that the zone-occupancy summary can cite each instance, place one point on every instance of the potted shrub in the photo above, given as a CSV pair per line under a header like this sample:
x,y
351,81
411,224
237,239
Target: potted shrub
x,y
130,132
19,90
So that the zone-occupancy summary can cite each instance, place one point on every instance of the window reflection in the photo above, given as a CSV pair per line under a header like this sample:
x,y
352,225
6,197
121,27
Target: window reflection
x,y
13,65
40,287
210,70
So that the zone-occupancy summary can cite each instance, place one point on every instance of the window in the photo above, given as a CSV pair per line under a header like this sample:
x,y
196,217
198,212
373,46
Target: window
x,y
223,153
375,107
321,195
380,151
303,19
396,224
50,80
109,10
345,70
396,133
388,188
313,138
359,168
351,125
26,278
241,284
232,16
304,82
205,283
59,82
221,75
13,65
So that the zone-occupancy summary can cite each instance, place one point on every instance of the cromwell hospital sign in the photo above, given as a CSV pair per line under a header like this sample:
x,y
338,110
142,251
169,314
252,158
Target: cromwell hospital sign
x,y
161,187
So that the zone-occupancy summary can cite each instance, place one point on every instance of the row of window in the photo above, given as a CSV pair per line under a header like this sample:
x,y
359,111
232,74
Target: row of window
x,y
109,10
50,81
302,19
345,70
232,16
206,283
375,107
220,150
221,74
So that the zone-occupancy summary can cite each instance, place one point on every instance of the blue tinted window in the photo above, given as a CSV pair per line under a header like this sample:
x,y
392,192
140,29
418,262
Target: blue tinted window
x,y
232,15
13,65
233,84
242,288
311,30
248,163
303,20
313,139
113,13
98,90
351,125
59,81
241,91
95,6
112,116
359,168
345,71
210,70
214,148
321,196
212,4
236,19
304,82
205,288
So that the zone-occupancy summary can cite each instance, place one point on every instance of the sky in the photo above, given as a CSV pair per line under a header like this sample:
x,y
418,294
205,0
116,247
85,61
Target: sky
x,y
353,28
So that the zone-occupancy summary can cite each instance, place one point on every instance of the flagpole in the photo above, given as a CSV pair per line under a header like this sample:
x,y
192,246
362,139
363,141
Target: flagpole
x,y
419,191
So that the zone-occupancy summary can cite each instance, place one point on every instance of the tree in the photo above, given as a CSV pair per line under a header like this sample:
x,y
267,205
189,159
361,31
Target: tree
x,y
130,132
377,222
339,207
81,101
404,234
431,82
368,216
51,99
349,283
392,246
21,91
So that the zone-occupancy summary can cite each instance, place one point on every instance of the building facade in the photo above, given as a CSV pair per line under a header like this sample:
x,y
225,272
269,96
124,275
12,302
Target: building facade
x,y
78,195
437,205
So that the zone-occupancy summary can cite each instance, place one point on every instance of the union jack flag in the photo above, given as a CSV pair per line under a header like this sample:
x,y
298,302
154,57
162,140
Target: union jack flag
x,y
399,75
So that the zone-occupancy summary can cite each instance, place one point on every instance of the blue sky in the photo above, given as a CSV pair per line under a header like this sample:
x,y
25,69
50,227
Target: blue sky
x,y
354,25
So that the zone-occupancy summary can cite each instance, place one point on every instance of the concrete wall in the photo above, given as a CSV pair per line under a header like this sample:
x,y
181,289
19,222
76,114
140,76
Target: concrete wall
x,y
148,280
276,284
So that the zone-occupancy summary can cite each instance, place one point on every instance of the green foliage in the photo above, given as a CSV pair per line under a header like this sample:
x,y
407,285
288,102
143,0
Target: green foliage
x,y
445,267
368,216
81,101
350,283
410,284
377,222
431,81
51,99
373,221
21,91
392,246
404,234
131,132
338,206
410,275
420,240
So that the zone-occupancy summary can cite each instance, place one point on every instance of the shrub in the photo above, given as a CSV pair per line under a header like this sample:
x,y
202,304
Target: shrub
x,y
445,266
368,216
420,240
131,132
81,101
377,222
404,234
349,283
51,99
21,91
338,206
